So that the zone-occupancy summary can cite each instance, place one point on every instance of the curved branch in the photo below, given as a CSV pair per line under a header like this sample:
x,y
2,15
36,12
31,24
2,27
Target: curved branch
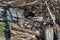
x,y
8,3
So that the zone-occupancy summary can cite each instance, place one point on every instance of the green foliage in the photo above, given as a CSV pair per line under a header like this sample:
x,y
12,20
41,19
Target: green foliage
x,y
1,30
7,21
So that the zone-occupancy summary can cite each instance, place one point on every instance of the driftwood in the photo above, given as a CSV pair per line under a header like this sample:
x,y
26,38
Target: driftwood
x,y
35,25
23,34
16,5
25,30
50,13
49,33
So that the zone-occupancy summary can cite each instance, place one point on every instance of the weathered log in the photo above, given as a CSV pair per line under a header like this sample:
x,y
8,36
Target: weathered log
x,y
22,33
49,33
26,31
13,27
16,5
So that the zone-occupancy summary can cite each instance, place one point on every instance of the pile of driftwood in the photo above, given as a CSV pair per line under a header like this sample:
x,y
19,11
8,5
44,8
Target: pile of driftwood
x,y
32,19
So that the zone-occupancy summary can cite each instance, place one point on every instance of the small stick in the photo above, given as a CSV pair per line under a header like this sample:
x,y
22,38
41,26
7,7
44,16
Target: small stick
x,y
50,13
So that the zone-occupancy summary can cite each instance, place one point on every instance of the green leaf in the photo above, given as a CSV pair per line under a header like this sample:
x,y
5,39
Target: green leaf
x,y
1,30
7,21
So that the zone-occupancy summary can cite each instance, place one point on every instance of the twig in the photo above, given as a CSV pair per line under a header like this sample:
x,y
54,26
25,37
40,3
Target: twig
x,y
50,13
29,3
